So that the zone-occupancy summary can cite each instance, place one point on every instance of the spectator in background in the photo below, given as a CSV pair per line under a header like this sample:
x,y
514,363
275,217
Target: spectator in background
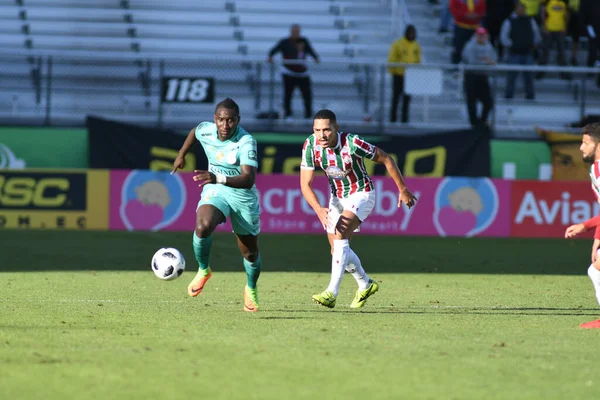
x,y
574,29
468,15
497,12
554,21
404,50
445,17
532,9
478,51
295,48
590,11
521,35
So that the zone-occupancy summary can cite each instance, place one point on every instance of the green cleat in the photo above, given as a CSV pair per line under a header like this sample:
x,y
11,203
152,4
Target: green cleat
x,y
326,299
250,299
362,295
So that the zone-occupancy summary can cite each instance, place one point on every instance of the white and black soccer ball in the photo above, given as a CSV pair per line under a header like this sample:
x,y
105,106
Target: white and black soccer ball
x,y
168,264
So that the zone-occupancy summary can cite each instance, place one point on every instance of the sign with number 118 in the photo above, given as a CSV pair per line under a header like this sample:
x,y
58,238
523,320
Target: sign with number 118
x,y
187,90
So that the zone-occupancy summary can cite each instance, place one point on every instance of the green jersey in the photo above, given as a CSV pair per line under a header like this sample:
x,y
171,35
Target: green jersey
x,y
343,164
228,157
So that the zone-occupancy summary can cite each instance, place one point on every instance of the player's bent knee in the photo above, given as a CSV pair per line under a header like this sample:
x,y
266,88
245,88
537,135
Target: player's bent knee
x,y
203,229
595,265
251,255
342,232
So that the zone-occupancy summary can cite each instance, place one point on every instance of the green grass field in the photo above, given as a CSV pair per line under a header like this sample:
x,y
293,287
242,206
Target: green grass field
x,y
83,317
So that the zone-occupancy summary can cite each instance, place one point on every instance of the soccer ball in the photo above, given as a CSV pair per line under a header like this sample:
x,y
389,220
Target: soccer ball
x,y
168,264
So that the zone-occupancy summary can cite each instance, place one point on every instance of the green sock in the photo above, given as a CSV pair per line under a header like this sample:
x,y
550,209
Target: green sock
x,y
202,251
253,271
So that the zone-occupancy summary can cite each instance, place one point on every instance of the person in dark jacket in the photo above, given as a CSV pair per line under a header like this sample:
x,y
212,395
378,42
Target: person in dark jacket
x,y
590,12
521,35
295,48
497,12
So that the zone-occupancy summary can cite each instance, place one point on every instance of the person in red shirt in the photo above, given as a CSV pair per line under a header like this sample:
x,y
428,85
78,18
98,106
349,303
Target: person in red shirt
x,y
468,15
590,150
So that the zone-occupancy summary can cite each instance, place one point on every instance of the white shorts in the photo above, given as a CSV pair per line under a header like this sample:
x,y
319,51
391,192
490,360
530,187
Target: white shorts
x,y
360,203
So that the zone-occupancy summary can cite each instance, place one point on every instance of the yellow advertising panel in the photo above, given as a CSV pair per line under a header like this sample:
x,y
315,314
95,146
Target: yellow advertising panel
x,y
567,161
54,199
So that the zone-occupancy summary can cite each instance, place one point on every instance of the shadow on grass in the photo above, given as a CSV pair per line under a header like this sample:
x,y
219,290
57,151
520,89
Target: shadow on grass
x,y
24,251
286,317
511,311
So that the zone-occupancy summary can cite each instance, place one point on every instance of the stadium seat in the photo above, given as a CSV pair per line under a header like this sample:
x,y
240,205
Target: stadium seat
x,y
89,43
292,8
72,4
274,33
14,40
176,31
189,46
79,28
10,26
170,17
74,14
286,20
8,12
179,5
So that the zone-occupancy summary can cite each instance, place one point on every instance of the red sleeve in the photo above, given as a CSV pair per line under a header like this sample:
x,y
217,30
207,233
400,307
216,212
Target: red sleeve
x,y
593,222
597,233
457,8
480,8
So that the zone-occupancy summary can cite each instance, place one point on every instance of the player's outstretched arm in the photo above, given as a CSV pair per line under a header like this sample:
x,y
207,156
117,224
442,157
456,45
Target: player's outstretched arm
x,y
306,179
405,196
576,229
179,162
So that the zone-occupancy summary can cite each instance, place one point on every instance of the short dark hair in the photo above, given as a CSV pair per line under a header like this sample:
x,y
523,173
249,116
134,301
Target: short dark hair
x,y
593,130
326,114
229,104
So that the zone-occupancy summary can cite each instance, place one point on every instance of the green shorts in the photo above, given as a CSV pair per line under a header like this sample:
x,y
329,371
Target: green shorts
x,y
244,213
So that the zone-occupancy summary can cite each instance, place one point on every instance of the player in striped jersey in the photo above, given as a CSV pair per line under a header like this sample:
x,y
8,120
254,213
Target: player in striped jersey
x,y
590,149
352,198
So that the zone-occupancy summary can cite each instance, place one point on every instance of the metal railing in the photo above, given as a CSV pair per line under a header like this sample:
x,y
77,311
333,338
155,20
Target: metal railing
x,y
52,89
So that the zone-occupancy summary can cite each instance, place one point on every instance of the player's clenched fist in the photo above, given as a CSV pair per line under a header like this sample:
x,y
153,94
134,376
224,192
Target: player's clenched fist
x,y
204,177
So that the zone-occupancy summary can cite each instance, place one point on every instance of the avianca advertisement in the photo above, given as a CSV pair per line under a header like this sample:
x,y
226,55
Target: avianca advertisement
x,y
546,209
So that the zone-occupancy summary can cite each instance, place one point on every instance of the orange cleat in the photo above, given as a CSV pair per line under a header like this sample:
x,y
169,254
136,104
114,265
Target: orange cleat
x,y
250,299
591,324
197,284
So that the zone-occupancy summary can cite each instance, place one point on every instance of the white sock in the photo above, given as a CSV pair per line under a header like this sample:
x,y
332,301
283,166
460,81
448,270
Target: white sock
x,y
594,275
339,259
355,268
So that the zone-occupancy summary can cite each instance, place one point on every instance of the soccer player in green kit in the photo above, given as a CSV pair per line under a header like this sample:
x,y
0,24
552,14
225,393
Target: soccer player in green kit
x,y
352,198
228,190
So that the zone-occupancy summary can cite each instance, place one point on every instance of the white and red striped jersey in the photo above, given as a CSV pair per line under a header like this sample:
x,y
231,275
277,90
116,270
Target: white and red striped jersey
x,y
595,177
349,175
